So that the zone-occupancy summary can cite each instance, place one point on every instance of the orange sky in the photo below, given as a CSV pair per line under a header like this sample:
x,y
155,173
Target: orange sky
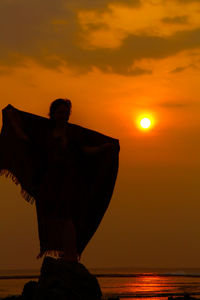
x,y
115,59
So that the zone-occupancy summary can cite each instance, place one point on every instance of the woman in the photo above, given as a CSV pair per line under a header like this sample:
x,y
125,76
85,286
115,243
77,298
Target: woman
x,y
68,170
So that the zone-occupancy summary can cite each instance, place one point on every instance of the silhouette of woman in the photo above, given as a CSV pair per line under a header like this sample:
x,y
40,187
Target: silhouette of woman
x,y
69,171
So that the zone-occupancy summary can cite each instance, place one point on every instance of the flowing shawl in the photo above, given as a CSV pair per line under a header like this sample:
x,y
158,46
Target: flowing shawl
x,y
24,161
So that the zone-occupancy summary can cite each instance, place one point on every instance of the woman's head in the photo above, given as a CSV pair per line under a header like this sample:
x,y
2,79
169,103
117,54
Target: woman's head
x,y
60,110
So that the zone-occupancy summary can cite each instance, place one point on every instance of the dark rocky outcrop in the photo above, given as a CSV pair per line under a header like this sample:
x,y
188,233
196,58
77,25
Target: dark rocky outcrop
x,y
12,298
66,281
60,280
184,297
29,290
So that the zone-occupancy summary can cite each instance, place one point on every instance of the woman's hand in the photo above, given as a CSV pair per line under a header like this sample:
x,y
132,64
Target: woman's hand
x,y
15,122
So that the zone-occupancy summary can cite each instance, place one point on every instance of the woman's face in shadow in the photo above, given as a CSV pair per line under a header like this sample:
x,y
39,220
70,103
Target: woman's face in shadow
x,y
61,114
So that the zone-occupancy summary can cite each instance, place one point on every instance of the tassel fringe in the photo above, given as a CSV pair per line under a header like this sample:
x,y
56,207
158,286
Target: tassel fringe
x,y
30,199
55,253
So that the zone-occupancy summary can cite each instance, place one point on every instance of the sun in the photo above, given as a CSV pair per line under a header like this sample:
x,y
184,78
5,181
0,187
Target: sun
x,y
145,123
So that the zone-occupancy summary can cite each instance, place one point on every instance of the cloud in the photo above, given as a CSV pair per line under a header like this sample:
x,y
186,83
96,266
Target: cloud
x,y
5,71
174,105
188,1
49,33
102,4
179,69
175,20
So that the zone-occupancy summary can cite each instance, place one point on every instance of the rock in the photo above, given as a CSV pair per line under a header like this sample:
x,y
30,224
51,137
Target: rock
x,y
29,290
12,298
66,281
185,297
28,293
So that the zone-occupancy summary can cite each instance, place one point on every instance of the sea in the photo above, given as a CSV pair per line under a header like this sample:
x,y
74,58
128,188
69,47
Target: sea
x,y
125,283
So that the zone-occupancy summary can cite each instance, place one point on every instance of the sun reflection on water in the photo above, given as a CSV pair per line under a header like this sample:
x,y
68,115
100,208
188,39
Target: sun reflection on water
x,y
148,285
142,284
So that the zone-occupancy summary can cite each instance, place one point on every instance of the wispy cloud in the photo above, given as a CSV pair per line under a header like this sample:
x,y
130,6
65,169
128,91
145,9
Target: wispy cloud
x,y
175,20
49,33
188,1
89,4
181,69
176,104
179,104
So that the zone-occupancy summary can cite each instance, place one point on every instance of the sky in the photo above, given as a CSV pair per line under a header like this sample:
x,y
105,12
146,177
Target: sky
x,y
116,60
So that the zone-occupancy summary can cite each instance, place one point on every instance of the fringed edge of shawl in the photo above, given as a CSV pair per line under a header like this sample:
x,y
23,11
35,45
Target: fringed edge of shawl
x,y
54,253
30,199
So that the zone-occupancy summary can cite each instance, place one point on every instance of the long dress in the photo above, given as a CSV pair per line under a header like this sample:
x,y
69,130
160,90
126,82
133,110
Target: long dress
x,y
60,192
64,182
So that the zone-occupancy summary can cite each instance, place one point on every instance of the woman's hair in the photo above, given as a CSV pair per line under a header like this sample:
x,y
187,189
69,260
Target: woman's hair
x,y
56,103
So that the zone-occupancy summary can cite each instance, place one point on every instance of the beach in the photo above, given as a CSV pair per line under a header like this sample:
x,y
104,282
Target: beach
x,y
126,283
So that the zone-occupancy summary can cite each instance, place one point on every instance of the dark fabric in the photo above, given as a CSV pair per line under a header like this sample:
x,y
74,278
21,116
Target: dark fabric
x,y
78,185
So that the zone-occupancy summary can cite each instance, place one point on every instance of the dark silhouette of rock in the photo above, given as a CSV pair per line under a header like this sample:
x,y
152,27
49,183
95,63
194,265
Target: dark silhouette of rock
x,y
66,281
185,297
60,280
12,298
29,290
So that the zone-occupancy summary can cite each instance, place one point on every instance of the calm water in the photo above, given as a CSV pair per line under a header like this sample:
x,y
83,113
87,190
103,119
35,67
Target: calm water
x,y
125,283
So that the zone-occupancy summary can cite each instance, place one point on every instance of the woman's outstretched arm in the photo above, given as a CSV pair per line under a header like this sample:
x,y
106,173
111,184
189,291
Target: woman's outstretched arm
x,y
97,149
15,122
